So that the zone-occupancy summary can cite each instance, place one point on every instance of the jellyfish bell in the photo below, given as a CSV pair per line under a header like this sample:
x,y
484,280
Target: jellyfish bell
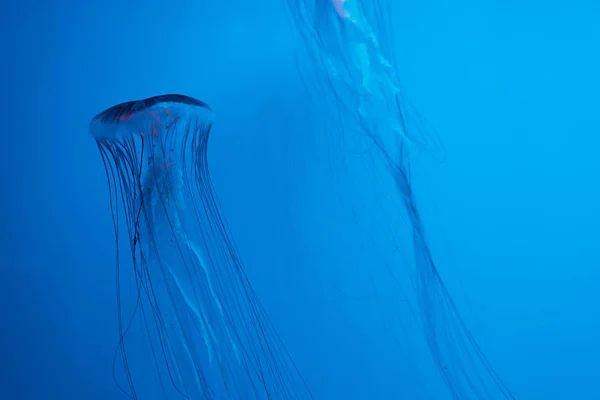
x,y
159,124
208,334
340,8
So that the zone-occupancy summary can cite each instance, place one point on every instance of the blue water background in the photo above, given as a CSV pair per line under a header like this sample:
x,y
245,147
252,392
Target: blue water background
x,y
513,211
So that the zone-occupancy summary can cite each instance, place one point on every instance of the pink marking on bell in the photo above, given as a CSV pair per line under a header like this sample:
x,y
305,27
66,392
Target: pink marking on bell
x,y
126,117
339,7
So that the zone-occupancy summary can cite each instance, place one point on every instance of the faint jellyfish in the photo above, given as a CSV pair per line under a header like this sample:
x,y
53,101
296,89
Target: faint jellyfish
x,y
343,43
208,335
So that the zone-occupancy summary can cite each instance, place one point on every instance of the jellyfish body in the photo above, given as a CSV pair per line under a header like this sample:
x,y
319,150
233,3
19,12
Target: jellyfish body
x,y
209,335
343,42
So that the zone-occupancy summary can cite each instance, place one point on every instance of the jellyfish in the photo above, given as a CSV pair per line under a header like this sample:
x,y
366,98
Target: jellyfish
x,y
348,48
208,334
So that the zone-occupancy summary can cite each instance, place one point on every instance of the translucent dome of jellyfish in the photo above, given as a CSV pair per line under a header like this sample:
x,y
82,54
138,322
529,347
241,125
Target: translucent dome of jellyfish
x,y
350,67
208,335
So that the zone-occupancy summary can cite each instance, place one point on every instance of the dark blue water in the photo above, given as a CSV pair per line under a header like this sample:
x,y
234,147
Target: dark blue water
x,y
511,212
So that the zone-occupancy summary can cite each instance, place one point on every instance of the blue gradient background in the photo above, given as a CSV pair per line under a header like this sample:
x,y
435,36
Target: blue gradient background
x,y
513,212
